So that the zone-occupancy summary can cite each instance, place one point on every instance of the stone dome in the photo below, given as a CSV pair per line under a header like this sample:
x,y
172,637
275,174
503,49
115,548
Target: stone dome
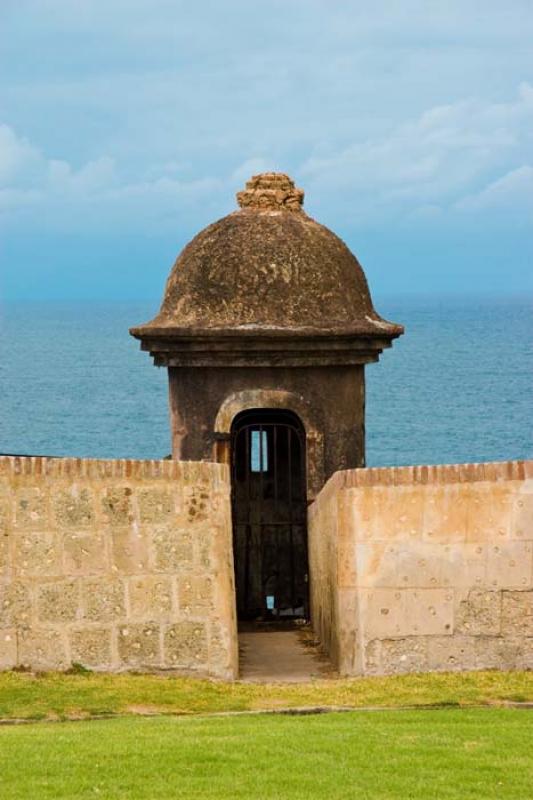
x,y
267,267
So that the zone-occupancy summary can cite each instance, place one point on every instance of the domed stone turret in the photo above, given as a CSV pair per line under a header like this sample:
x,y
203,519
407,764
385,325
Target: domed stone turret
x,y
267,266
267,310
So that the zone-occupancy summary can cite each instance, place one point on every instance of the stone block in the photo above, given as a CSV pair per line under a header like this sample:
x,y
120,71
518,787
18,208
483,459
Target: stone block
x,y
4,555
15,604
391,613
396,656
172,549
129,551
37,554
496,652
42,649
74,507
195,594
467,564
489,511
525,659
517,613
479,613
139,645
185,645
117,506
104,599
209,542
91,647
522,522
155,505
58,602
445,513
150,598
380,512
8,648
451,653
510,565
223,653
197,502
5,511
407,565
31,509
84,554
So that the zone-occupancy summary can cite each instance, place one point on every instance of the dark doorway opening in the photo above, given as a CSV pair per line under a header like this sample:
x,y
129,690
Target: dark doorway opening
x,y
269,506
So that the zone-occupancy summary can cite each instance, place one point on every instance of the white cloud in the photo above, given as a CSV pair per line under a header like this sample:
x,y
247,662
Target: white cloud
x,y
17,155
468,156
513,192
93,195
432,161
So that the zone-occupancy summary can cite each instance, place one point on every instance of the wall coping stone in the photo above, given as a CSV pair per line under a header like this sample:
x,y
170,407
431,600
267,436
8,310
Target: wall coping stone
x,y
124,468
425,474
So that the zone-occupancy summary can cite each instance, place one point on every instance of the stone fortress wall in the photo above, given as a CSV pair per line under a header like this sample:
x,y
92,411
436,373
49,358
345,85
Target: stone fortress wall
x,y
128,565
418,569
116,565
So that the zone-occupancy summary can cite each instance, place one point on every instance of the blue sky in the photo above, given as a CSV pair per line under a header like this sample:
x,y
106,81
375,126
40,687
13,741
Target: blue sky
x,y
127,125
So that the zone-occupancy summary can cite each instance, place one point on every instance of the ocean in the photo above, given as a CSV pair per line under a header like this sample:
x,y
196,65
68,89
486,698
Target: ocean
x,y
457,387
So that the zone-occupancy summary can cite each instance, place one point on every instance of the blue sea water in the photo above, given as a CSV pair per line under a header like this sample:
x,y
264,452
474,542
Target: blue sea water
x,y
458,386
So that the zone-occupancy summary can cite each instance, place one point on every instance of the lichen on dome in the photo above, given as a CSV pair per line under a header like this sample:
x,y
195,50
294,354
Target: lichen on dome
x,y
267,267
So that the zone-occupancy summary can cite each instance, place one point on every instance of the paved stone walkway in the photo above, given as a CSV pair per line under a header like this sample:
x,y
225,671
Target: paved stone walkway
x,y
279,656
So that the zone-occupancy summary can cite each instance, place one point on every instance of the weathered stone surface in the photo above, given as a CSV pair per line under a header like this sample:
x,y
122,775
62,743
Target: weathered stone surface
x,y
8,648
195,595
42,649
37,554
458,586
151,598
31,509
4,554
498,652
479,614
489,512
84,554
517,613
406,612
173,549
15,604
270,266
185,645
451,653
58,602
155,505
196,502
396,656
74,508
510,565
91,557
91,647
139,645
130,551
445,513
522,525
117,506
104,599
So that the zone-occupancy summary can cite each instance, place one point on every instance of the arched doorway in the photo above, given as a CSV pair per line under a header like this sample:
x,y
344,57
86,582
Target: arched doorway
x,y
269,506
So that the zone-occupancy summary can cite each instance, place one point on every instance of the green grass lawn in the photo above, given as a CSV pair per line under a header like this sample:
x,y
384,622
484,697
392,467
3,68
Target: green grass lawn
x,y
431,755
27,696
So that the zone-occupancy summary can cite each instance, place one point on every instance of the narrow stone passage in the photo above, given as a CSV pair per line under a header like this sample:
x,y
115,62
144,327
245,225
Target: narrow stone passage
x,y
280,655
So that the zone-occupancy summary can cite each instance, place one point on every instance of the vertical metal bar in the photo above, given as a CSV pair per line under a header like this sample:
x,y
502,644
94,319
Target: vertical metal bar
x,y
246,432
275,462
260,512
291,532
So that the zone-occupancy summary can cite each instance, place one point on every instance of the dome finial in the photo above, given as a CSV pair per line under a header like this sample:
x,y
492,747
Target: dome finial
x,y
271,191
